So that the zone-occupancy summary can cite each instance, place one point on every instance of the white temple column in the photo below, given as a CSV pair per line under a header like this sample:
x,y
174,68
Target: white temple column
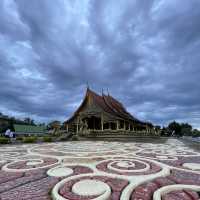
x,y
77,126
67,127
102,120
117,125
147,130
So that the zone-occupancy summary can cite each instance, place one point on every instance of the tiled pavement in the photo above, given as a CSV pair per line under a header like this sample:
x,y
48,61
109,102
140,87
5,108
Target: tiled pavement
x,y
100,170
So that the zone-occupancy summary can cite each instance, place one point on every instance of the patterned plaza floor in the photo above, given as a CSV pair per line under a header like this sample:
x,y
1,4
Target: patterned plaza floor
x,y
100,170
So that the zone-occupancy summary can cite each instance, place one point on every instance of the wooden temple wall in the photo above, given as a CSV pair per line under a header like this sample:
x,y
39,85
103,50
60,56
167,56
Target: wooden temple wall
x,y
109,126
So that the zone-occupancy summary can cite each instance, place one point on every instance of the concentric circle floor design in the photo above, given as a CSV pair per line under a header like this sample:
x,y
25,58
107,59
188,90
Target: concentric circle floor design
x,y
89,170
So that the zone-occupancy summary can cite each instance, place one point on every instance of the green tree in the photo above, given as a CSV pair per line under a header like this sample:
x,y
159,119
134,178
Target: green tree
x,y
175,128
196,133
186,129
29,121
165,131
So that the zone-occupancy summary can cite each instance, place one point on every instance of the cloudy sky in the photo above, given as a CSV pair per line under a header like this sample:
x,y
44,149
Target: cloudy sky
x,y
147,52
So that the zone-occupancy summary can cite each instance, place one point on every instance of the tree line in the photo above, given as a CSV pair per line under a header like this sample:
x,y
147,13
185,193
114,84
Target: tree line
x,y
7,122
179,129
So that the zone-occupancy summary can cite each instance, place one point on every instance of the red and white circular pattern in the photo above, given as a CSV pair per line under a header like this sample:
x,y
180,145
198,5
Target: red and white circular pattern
x,y
101,170
128,167
89,187
30,164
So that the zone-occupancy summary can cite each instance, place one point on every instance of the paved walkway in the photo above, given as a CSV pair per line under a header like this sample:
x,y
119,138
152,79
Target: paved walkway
x,y
100,170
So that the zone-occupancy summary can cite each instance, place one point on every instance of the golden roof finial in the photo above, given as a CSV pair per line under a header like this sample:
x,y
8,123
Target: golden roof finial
x,y
102,91
87,84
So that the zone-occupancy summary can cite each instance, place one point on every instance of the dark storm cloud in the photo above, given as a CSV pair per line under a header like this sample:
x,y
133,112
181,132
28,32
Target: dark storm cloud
x,y
145,52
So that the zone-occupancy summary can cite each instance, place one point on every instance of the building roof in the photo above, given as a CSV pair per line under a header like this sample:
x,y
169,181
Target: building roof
x,y
28,129
108,104
4,117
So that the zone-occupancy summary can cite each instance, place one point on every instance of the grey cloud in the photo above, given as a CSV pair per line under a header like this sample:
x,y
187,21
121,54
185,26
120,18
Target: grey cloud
x,y
146,53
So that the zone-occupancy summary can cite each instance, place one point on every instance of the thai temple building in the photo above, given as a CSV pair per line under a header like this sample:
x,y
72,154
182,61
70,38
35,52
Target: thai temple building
x,y
103,114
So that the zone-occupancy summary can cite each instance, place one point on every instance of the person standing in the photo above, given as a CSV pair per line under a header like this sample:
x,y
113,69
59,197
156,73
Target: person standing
x,y
7,133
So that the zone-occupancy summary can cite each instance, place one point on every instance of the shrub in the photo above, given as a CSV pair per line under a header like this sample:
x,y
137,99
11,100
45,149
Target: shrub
x,y
4,140
47,139
19,138
31,139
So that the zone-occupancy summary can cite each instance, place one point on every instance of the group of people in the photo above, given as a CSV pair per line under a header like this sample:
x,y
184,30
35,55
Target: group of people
x,y
9,134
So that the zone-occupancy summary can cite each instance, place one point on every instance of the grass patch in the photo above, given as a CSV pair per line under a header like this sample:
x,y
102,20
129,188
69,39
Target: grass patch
x,y
31,139
19,138
47,139
4,140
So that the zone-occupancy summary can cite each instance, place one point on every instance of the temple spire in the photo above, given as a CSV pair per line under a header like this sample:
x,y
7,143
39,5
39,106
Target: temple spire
x,y
102,91
87,84
108,92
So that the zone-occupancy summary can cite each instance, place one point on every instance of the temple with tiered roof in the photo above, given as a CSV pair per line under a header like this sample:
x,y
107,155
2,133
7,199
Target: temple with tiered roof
x,y
103,114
